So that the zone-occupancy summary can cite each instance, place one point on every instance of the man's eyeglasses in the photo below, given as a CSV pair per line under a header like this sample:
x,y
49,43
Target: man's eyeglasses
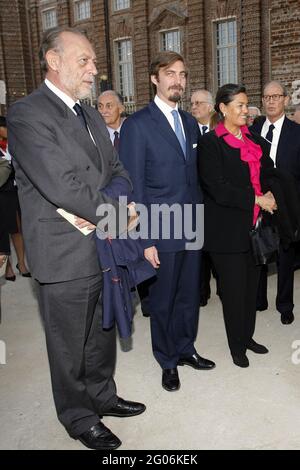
x,y
272,97
198,103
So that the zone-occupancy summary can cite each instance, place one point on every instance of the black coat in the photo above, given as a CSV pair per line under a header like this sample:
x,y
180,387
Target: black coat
x,y
228,193
288,150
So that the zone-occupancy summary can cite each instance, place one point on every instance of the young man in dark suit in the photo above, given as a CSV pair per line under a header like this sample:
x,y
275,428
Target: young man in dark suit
x,y
283,136
159,149
63,158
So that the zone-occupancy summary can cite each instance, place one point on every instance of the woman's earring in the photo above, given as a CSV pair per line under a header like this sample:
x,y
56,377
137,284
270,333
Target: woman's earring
x,y
224,115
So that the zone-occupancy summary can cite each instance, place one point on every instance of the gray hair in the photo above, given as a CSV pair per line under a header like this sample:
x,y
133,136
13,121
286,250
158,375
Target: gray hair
x,y
208,94
256,109
276,82
51,41
113,93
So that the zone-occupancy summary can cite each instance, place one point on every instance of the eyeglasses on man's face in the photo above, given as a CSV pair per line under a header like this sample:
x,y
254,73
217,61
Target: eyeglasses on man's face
x,y
275,97
199,103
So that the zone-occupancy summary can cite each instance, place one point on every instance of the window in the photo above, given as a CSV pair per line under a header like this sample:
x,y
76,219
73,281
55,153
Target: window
x,y
121,4
49,18
124,67
226,52
82,9
170,41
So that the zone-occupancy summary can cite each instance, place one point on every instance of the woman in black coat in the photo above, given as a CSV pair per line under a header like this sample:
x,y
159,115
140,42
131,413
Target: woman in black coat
x,y
231,168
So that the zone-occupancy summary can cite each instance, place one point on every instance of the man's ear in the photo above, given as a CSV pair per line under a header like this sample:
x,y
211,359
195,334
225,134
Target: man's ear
x,y
53,60
154,79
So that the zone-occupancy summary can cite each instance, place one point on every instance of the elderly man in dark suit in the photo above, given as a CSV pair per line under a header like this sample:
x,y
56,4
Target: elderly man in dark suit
x,y
159,149
283,136
63,158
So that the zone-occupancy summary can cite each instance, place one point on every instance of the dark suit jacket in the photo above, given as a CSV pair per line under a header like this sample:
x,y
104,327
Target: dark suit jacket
x,y
155,161
288,150
58,165
228,193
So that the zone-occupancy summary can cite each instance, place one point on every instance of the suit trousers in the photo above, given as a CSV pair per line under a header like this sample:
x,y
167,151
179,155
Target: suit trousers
x,y
174,305
238,278
285,281
81,354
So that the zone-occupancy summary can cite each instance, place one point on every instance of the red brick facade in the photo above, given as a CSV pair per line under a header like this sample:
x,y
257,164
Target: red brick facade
x,y
268,41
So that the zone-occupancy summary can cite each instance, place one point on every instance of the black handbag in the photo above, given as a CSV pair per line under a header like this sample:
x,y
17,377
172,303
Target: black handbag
x,y
264,239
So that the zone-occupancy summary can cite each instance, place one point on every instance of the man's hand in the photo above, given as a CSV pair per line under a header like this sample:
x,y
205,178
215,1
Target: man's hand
x,y
82,223
151,255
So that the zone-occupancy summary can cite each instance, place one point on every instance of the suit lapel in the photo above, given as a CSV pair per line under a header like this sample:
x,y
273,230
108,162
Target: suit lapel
x,y
164,128
283,138
69,122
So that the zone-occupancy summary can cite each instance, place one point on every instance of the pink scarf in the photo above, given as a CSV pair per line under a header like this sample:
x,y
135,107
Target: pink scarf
x,y
250,153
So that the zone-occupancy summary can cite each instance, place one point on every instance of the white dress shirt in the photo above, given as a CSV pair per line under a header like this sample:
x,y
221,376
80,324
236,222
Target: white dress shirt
x,y
167,111
66,99
112,132
201,125
276,135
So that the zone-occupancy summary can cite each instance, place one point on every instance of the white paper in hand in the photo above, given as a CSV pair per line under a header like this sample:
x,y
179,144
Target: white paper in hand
x,y
71,218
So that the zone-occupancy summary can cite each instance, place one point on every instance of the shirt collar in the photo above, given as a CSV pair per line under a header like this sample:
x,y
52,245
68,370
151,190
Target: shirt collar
x,y
277,124
65,98
164,107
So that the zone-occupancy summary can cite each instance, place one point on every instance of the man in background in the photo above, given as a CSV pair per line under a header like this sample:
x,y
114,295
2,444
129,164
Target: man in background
x,y
283,136
201,108
253,113
111,107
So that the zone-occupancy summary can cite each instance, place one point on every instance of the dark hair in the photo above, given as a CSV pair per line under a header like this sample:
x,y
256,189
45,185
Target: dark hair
x,y
226,94
162,60
51,40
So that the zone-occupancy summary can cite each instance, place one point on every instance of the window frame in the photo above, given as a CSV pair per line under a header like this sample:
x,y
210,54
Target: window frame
x,y
75,10
43,17
166,31
117,10
128,103
228,46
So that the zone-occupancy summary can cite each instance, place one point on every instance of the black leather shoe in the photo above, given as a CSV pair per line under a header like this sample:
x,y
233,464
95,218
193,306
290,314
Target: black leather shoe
x,y
11,278
241,361
99,437
257,348
125,409
145,313
287,318
170,380
197,362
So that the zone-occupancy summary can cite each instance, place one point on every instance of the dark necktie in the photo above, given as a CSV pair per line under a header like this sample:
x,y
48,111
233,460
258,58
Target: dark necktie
x,y
80,114
116,140
178,131
269,136
204,129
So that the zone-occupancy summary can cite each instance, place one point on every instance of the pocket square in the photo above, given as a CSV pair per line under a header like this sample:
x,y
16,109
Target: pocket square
x,y
195,145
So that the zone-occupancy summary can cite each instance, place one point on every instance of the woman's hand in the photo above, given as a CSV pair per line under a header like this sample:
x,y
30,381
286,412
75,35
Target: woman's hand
x,y
266,202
